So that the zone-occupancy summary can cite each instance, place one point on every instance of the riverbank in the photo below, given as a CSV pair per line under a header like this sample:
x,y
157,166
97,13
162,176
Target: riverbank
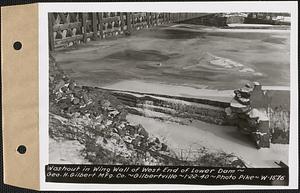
x,y
93,125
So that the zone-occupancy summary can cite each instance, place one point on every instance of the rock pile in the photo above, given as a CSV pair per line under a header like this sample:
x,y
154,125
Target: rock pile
x,y
97,119
249,111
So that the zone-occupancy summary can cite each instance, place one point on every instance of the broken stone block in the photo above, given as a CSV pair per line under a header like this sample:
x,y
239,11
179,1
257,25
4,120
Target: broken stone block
x,y
116,137
136,141
143,132
164,147
130,129
250,104
228,111
128,139
104,140
113,113
51,78
99,127
64,103
105,104
121,132
66,78
76,101
248,85
64,89
71,86
243,92
237,107
59,85
85,98
262,140
259,114
59,95
72,110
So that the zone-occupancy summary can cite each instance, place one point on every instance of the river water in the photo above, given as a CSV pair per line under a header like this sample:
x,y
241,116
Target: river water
x,y
188,55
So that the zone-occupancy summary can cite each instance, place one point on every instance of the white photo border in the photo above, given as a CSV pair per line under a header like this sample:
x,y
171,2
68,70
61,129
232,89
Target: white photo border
x,y
250,6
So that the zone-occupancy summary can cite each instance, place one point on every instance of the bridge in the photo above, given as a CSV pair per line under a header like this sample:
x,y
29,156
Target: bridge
x,y
70,29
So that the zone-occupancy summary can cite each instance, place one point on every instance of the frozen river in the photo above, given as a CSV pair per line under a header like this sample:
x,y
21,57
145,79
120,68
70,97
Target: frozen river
x,y
186,55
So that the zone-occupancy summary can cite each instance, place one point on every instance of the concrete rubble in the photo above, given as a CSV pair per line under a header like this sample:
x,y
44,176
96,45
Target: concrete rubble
x,y
248,109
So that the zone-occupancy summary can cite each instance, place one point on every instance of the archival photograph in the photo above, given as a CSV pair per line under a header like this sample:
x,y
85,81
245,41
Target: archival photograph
x,y
169,89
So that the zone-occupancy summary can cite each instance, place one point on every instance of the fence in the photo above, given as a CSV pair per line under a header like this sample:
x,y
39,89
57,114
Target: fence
x,y
67,29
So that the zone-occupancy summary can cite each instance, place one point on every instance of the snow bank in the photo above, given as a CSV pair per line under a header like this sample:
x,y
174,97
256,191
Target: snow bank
x,y
171,90
214,137
66,152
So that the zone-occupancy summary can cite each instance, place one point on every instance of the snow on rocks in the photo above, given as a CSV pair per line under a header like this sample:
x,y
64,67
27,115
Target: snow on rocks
x,y
259,114
97,120
249,109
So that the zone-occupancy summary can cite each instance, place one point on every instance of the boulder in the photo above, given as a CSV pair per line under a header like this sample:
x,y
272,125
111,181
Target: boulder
x,y
143,132
99,127
164,147
105,104
60,84
228,111
121,132
76,101
262,140
258,114
71,86
237,107
64,89
85,98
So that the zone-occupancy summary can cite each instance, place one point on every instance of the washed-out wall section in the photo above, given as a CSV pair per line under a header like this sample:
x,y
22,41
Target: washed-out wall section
x,y
67,29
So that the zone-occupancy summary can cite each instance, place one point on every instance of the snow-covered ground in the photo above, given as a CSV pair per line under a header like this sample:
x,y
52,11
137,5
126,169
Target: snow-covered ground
x,y
173,90
248,25
66,152
179,90
189,138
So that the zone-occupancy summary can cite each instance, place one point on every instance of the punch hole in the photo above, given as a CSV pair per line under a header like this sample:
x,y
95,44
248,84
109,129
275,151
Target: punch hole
x,y
21,149
17,45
